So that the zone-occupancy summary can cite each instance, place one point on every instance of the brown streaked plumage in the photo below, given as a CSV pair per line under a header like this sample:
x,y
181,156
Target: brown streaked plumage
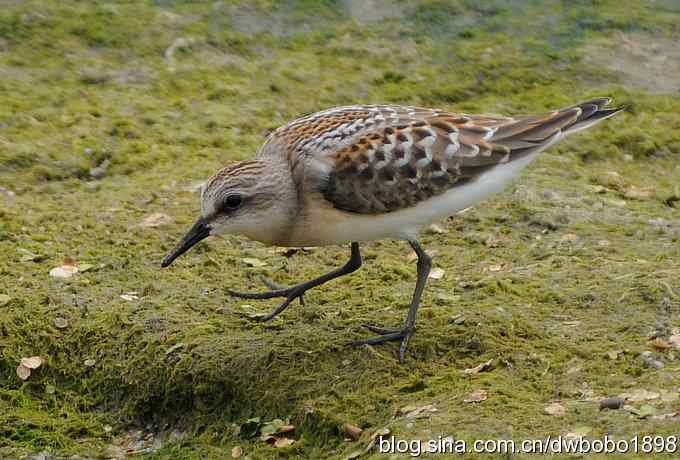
x,y
360,173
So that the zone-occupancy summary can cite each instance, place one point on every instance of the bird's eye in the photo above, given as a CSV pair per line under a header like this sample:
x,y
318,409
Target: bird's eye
x,y
233,202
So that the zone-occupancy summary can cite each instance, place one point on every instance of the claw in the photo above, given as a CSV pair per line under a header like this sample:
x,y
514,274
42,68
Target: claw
x,y
402,334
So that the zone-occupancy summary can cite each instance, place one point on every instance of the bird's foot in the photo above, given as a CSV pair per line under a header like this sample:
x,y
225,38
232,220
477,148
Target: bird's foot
x,y
389,335
275,290
291,293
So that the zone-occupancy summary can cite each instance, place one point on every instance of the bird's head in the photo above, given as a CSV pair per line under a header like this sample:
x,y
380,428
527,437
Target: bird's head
x,y
248,198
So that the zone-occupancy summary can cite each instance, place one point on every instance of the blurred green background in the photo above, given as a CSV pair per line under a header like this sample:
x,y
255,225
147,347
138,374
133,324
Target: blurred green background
x,y
111,113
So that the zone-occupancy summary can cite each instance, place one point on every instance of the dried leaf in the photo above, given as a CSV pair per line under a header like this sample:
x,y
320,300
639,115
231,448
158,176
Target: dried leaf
x,y
353,431
414,411
4,299
638,193
435,229
664,416
236,452
496,268
64,271
283,442
90,362
437,273
476,396
253,262
23,372
154,220
485,366
33,362
569,238
129,296
659,344
555,409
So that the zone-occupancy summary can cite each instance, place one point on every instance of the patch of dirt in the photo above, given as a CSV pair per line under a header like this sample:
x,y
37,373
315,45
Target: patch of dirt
x,y
364,11
643,60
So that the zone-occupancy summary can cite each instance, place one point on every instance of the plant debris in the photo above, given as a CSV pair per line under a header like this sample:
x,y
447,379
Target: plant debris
x,y
476,396
155,220
27,365
555,409
437,273
485,366
353,431
253,262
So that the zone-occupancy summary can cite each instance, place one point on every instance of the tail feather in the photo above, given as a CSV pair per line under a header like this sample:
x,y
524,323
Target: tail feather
x,y
529,134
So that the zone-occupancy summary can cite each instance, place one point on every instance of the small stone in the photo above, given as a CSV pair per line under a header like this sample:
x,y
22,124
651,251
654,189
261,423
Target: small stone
x,y
90,362
60,323
236,452
612,403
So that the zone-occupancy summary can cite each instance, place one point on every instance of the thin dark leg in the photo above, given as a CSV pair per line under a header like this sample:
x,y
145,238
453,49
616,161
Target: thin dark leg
x,y
298,290
424,266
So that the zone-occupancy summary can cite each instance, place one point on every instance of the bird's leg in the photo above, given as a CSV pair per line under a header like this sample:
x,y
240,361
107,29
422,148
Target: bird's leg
x,y
297,291
404,335
277,287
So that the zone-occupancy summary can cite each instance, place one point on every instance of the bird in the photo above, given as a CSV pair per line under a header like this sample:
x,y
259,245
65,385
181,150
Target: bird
x,y
359,173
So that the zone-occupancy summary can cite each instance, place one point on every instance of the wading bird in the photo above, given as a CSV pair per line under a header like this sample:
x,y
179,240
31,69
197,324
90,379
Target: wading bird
x,y
368,172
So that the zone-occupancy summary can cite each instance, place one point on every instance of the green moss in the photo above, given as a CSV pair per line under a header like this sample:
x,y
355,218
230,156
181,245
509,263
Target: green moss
x,y
88,84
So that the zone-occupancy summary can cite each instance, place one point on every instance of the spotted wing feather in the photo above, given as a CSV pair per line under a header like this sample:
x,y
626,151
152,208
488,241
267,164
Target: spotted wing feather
x,y
377,159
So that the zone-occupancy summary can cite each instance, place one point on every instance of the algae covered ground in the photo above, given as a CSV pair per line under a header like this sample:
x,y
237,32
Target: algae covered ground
x,y
111,113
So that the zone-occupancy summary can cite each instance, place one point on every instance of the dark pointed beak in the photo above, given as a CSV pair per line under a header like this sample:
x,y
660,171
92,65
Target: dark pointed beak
x,y
198,232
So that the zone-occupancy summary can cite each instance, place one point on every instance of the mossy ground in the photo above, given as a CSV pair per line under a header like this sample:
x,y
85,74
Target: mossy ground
x,y
88,85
